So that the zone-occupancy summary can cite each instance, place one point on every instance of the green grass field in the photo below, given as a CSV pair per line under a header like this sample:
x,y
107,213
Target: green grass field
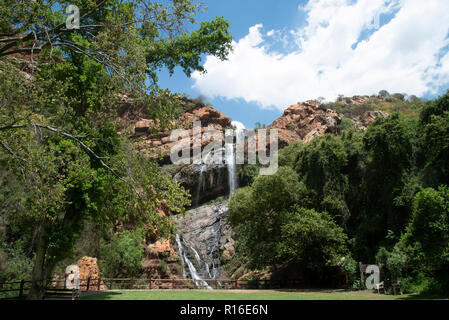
x,y
246,295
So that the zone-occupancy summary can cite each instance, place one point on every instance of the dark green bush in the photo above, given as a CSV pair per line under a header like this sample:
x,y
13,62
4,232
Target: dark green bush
x,y
122,256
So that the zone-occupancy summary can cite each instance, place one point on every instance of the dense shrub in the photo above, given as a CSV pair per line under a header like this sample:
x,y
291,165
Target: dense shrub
x,y
351,267
15,263
311,239
122,255
426,237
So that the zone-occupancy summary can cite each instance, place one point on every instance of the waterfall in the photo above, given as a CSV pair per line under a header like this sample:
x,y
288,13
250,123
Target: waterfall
x,y
230,164
185,248
231,157
204,163
181,254
199,249
185,260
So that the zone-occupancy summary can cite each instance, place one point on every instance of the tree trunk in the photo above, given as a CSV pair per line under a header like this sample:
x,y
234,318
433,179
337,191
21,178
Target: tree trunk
x,y
39,278
43,267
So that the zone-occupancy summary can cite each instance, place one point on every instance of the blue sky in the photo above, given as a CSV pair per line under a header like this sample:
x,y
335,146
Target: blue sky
x,y
289,51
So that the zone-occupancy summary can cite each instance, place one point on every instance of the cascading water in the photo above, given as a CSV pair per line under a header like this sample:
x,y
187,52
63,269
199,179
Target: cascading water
x,y
230,162
181,254
231,157
208,262
185,260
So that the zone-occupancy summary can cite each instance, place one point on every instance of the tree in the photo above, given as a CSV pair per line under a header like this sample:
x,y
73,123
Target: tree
x,y
288,156
58,132
273,226
434,144
427,234
123,255
311,239
321,100
257,212
435,108
321,165
121,34
384,94
435,148
389,144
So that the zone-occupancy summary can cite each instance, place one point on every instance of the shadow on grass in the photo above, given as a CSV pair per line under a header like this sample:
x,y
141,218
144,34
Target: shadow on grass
x,y
423,297
102,296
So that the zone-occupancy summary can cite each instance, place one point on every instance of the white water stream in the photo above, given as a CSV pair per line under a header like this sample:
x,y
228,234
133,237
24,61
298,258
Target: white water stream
x,y
230,164
185,260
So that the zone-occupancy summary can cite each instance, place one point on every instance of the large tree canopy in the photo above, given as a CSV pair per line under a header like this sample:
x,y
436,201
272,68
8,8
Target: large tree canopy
x,y
61,154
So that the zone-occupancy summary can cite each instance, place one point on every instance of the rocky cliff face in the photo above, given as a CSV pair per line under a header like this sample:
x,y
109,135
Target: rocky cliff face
x,y
162,262
159,144
203,186
304,121
362,122
307,120
155,143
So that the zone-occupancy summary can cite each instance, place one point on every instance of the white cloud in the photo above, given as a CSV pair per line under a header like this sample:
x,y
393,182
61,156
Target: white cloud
x,y
443,70
401,56
238,125
271,33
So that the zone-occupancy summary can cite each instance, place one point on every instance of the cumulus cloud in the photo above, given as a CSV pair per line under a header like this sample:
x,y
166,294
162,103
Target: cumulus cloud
x,y
238,125
337,52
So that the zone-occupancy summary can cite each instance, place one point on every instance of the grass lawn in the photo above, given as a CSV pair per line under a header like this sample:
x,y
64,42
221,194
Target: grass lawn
x,y
246,295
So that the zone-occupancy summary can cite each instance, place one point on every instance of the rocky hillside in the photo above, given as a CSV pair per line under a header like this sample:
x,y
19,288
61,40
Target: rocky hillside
x,y
302,121
204,236
305,121
159,144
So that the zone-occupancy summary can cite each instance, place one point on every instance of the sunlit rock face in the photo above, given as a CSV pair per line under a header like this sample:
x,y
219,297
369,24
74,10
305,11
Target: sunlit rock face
x,y
305,121
149,138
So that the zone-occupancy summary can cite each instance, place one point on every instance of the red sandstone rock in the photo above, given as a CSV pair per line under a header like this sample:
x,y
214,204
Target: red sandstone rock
x,y
89,268
305,121
162,247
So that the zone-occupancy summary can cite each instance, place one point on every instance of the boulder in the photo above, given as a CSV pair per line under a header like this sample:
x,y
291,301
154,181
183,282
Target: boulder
x,y
88,267
161,247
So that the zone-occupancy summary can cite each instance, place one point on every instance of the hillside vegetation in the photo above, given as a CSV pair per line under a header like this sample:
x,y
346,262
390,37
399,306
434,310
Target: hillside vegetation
x,y
356,106
375,196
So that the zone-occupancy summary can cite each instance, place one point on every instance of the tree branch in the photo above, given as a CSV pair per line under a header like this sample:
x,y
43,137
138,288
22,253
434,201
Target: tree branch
x,y
57,30
83,145
5,146
67,135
